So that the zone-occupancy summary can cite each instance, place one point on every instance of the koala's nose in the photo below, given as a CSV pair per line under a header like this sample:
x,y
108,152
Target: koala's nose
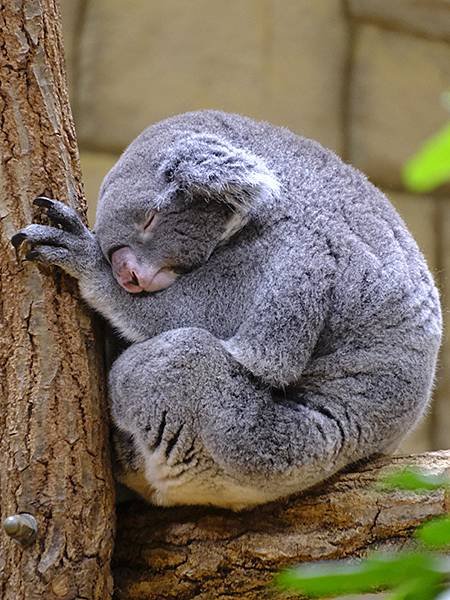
x,y
135,277
127,270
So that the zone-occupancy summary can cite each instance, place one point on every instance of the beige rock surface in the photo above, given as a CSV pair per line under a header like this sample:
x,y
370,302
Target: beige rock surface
x,y
426,17
94,166
306,63
395,104
72,17
163,57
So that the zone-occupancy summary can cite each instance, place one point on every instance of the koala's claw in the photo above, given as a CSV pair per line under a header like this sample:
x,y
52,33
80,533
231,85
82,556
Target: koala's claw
x,y
32,255
61,214
43,201
66,243
18,239
44,244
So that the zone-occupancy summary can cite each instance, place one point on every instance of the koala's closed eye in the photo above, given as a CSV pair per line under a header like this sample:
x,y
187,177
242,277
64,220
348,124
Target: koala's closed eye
x,y
150,222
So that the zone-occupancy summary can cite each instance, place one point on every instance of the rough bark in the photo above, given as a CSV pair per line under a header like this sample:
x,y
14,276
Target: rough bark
x,y
206,554
54,459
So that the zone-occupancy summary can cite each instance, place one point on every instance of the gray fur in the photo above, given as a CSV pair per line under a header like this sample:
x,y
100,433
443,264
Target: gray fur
x,y
300,336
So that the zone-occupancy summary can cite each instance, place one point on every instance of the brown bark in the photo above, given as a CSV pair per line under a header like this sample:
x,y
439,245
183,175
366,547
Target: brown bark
x,y
54,459
206,554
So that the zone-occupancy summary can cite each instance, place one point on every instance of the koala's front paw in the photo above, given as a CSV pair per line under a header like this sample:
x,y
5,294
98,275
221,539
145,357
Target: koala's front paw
x,y
69,244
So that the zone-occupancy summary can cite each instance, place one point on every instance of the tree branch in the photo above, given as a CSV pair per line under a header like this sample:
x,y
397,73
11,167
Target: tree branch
x,y
200,553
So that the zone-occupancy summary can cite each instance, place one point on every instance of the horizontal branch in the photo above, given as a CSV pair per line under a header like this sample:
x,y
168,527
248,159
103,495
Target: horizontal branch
x,y
205,553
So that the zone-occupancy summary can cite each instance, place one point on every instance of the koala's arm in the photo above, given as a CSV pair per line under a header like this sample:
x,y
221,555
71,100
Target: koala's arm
x,y
75,249
276,340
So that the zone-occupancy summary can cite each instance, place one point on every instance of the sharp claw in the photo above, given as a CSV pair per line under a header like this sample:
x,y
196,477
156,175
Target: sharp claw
x,y
31,255
43,201
18,239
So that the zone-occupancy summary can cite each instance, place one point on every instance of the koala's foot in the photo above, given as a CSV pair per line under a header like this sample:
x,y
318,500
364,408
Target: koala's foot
x,y
208,433
160,391
67,244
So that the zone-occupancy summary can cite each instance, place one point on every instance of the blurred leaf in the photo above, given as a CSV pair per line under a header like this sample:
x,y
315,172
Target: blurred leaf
x,y
328,580
436,533
430,167
417,589
414,480
374,573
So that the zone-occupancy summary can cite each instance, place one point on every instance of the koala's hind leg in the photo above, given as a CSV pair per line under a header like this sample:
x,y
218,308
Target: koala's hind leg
x,y
165,395
209,433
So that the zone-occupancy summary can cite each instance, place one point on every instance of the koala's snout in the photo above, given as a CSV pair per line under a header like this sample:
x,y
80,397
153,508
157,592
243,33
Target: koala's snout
x,y
136,277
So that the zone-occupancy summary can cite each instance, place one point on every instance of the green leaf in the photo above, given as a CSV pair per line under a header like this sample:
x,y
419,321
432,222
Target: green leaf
x,y
430,167
374,573
435,533
414,480
425,588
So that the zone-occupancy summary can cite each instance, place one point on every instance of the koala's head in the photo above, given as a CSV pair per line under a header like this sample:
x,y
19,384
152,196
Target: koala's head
x,y
163,214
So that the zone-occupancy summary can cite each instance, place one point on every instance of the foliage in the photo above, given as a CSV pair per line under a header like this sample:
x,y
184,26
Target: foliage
x,y
430,166
418,575
414,480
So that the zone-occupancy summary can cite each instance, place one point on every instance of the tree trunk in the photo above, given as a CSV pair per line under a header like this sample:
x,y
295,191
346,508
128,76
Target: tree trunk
x,y
54,459
206,554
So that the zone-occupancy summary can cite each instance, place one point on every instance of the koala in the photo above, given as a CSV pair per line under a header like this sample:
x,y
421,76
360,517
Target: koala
x,y
280,320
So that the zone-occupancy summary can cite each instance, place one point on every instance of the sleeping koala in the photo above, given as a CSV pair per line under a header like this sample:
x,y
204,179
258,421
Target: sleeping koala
x,y
282,322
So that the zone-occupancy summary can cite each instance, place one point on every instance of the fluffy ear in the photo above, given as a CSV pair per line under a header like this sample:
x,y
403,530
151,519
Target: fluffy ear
x,y
202,164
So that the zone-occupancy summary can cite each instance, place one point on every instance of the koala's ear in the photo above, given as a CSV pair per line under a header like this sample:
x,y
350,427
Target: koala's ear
x,y
205,165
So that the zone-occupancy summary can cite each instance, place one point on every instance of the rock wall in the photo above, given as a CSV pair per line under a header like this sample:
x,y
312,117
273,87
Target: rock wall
x,y
364,77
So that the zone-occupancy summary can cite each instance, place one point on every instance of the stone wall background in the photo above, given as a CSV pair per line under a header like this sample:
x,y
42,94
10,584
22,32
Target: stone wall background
x,y
364,77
